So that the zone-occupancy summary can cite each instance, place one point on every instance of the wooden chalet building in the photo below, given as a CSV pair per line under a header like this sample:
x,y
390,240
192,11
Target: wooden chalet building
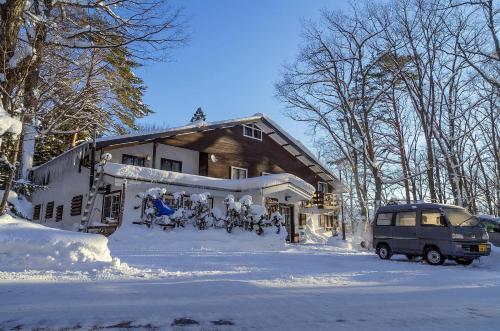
x,y
225,157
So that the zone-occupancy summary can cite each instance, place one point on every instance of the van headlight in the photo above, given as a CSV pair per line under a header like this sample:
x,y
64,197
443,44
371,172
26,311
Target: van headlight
x,y
457,236
485,236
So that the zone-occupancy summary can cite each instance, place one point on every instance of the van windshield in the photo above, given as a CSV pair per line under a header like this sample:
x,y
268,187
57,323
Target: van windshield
x,y
461,217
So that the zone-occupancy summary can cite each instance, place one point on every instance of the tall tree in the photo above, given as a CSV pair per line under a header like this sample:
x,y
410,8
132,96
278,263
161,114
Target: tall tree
x,y
109,37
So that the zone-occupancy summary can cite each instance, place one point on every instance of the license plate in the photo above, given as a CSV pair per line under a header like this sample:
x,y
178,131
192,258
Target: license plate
x,y
483,248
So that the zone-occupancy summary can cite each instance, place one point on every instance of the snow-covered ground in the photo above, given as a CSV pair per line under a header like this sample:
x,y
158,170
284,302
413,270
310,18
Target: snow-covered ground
x,y
210,280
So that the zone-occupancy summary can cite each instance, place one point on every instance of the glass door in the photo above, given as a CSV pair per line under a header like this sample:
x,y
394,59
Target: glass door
x,y
111,207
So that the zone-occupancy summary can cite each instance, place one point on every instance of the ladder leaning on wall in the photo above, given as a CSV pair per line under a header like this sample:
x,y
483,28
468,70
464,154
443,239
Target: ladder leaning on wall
x,y
89,206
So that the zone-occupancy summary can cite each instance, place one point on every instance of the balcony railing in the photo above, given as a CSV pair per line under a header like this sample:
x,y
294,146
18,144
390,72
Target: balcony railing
x,y
323,201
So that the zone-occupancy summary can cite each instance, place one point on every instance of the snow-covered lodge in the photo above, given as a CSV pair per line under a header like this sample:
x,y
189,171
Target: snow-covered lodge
x,y
247,156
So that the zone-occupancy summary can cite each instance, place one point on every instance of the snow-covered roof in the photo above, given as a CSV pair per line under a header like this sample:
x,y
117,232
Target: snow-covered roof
x,y
236,185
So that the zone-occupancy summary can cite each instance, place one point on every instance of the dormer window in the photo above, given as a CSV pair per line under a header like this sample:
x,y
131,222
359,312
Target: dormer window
x,y
252,131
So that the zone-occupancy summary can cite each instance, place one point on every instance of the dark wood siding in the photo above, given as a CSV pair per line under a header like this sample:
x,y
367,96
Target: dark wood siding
x,y
231,148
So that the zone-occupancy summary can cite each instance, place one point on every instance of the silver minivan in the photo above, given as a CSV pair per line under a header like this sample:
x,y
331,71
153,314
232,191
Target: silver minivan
x,y
434,231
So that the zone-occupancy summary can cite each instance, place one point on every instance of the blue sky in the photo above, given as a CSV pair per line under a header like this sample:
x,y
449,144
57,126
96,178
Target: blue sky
x,y
233,58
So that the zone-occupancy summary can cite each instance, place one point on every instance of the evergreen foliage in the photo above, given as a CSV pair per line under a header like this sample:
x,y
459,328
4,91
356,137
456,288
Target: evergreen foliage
x,y
199,115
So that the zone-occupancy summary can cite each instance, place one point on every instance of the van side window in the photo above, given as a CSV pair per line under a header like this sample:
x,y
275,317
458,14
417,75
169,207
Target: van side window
x,y
406,218
384,219
432,218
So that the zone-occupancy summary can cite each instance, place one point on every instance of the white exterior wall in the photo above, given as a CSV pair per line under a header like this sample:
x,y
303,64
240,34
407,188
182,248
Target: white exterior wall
x,y
61,189
144,150
189,158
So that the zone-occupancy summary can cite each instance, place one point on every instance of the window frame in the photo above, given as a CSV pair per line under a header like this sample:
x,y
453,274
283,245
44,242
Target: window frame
x,y
37,212
136,159
395,218
391,223
49,207
325,184
171,161
110,195
254,129
441,217
59,213
238,168
76,205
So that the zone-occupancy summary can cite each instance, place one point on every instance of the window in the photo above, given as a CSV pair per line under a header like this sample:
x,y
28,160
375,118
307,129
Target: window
x,y
406,218
171,165
59,213
322,187
239,173
252,131
384,219
36,212
432,218
111,207
133,160
76,205
49,212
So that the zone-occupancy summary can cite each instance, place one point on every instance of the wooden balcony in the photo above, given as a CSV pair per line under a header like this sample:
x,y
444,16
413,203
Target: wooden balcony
x,y
323,201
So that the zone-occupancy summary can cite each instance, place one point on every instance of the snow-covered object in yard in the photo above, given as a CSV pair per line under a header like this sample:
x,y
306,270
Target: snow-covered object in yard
x,y
235,205
171,177
217,213
9,124
201,197
258,211
277,216
246,200
28,246
21,204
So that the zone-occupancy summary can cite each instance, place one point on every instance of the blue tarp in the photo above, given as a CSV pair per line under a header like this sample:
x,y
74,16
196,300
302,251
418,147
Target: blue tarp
x,y
162,208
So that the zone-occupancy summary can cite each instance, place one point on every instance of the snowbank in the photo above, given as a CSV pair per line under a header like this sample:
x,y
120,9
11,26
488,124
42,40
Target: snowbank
x,y
28,246
20,203
139,238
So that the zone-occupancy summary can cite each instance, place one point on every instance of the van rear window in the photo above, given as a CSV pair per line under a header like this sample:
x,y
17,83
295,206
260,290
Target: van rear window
x,y
384,219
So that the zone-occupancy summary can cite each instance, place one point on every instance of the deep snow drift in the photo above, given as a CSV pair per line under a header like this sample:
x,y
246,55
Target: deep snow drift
x,y
210,280
26,246
132,237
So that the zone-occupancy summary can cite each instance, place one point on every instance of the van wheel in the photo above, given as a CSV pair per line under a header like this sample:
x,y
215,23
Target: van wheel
x,y
464,261
411,257
384,252
433,256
